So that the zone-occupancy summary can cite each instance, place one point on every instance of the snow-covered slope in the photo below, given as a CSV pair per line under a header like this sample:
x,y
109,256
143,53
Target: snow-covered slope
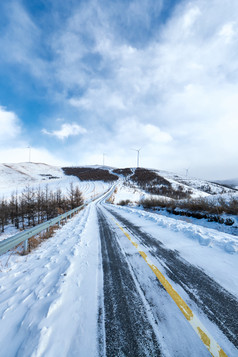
x,y
129,189
232,182
195,184
15,177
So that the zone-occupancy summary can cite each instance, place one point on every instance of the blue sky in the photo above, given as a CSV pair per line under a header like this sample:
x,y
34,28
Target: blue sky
x,y
83,78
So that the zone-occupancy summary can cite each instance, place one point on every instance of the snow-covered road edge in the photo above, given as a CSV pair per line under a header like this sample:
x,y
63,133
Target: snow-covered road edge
x,y
205,236
216,261
52,294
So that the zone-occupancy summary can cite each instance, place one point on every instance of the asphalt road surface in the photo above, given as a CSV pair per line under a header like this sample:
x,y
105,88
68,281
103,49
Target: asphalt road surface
x,y
137,317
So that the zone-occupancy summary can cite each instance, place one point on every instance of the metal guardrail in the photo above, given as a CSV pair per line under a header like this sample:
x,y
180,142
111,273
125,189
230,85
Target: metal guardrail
x,y
23,236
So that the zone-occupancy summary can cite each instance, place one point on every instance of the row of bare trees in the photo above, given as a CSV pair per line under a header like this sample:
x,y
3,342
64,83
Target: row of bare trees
x,y
33,206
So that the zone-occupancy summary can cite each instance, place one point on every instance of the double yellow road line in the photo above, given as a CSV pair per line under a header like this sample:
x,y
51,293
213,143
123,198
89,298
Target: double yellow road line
x,y
199,328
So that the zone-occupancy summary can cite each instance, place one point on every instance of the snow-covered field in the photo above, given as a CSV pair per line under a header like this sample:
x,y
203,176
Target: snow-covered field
x,y
15,177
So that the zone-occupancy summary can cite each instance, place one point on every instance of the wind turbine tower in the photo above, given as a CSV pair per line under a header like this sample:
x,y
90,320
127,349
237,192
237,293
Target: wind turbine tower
x,y
138,156
28,147
187,172
103,159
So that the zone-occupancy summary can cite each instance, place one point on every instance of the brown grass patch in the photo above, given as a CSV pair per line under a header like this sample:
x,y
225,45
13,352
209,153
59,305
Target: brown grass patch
x,y
36,240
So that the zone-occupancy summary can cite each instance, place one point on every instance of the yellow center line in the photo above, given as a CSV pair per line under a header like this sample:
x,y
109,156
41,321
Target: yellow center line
x,y
199,328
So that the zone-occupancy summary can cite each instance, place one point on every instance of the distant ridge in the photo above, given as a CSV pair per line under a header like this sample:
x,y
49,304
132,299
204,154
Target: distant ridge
x,y
232,182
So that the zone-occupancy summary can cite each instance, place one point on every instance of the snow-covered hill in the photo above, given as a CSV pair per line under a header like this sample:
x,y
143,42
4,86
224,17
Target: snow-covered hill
x,y
197,185
15,177
132,188
232,182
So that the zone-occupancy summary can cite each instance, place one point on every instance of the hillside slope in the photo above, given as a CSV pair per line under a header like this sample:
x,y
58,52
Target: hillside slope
x,y
15,177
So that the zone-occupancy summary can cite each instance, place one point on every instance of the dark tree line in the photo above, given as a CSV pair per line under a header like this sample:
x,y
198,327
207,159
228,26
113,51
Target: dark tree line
x,y
125,172
34,206
90,174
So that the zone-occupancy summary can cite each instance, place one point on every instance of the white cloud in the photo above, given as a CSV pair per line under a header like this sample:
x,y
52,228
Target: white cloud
x,y
228,31
190,17
65,131
10,126
102,98
40,155
130,132
179,91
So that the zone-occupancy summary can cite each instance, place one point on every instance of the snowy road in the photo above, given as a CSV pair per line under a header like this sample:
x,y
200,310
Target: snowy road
x,y
153,312
217,303
88,292
124,319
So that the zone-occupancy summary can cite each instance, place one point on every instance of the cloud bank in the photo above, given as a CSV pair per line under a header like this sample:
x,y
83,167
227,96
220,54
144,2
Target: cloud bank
x,y
138,74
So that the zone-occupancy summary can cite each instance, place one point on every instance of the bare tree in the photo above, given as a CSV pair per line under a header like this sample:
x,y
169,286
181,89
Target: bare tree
x,y
14,209
78,197
35,206
28,196
3,213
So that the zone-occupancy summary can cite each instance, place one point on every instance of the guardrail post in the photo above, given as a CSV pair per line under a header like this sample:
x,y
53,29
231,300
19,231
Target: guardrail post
x,y
25,246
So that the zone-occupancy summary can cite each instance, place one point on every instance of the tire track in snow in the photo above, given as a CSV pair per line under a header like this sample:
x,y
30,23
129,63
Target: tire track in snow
x,y
216,302
128,331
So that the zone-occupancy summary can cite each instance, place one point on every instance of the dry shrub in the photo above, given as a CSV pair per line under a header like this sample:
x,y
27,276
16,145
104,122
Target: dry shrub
x,y
124,202
233,206
144,177
36,240
111,199
125,172
155,202
198,208
155,184
90,174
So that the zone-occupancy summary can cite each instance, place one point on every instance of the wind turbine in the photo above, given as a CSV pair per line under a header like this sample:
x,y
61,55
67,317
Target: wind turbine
x,y
138,156
187,171
28,147
103,159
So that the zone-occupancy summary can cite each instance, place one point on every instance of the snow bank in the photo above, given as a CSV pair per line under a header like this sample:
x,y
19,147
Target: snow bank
x,y
205,236
48,299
